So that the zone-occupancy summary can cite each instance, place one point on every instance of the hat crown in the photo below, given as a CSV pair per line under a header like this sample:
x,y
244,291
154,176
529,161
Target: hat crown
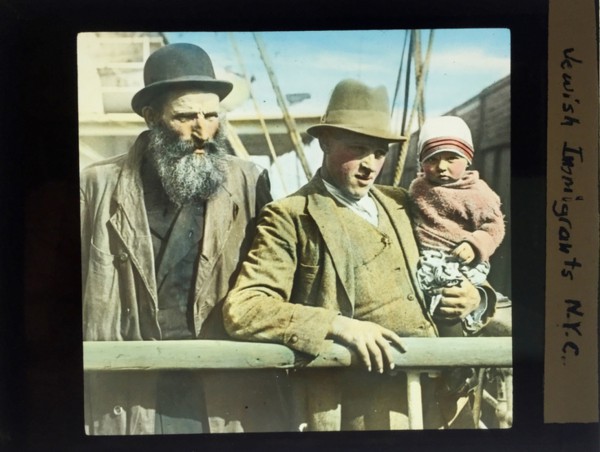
x,y
359,108
178,66
354,95
177,62
445,133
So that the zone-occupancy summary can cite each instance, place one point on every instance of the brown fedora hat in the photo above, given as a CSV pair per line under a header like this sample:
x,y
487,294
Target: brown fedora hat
x,y
358,108
178,66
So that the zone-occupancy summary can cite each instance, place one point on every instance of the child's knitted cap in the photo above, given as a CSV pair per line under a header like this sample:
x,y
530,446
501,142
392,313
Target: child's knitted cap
x,y
445,133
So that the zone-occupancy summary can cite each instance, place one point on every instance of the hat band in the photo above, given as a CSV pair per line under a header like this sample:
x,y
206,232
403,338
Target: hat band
x,y
363,119
440,144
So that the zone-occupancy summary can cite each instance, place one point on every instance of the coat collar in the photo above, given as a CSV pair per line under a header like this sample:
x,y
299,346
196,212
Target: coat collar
x,y
322,207
130,221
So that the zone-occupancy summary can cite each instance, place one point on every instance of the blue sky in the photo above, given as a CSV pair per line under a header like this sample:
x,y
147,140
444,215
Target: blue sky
x,y
463,62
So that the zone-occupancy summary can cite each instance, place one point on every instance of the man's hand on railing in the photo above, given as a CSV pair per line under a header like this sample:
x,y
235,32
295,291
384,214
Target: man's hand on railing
x,y
370,341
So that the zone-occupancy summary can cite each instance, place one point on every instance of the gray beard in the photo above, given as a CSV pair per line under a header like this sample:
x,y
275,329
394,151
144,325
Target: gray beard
x,y
185,176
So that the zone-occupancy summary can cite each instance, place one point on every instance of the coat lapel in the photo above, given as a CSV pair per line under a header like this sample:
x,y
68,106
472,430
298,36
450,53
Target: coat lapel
x,y
323,209
396,208
130,221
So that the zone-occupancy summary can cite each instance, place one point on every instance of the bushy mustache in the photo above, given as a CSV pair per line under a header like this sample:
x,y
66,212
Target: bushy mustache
x,y
187,177
178,147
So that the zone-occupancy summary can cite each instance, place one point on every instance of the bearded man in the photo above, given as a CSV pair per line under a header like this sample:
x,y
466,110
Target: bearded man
x,y
163,229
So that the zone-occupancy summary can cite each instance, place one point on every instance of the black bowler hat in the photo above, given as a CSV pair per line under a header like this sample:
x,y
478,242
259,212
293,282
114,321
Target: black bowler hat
x,y
178,66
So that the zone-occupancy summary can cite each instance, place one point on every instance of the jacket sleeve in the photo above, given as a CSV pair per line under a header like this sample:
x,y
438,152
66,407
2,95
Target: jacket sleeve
x,y
263,190
85,234
478,319
259,307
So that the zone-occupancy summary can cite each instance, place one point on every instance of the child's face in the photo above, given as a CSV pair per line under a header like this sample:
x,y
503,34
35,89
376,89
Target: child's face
x,y
444,167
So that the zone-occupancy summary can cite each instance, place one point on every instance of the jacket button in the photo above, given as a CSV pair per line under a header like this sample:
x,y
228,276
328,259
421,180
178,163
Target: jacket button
x,y
123,256
118,410
294,339
411,297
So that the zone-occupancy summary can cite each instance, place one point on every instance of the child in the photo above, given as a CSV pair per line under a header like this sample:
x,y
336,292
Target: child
x,y
457,216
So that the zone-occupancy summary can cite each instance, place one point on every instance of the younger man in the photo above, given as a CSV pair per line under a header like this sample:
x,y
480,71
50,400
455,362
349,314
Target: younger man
x,y
336,261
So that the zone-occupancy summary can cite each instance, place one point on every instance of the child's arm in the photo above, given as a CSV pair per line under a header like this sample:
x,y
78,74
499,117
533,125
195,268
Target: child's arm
x,y
489,223
465,252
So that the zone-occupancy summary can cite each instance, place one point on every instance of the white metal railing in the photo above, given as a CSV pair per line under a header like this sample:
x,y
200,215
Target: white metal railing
x,y
423,355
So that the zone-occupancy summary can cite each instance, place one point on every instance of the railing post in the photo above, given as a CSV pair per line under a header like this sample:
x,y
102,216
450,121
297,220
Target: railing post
x,y
415,402
504,406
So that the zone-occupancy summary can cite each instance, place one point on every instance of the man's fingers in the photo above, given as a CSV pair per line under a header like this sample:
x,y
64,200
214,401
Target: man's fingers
x,y
376,356
388,352
449,292
371,342
450,313
455,293
395,340
363,354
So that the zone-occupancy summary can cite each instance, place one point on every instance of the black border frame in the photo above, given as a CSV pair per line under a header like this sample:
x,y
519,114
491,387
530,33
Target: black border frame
x,y
40,326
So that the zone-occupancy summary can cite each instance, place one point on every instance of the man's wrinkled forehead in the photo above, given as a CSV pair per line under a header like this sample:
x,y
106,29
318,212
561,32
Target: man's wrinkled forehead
x,y
191,100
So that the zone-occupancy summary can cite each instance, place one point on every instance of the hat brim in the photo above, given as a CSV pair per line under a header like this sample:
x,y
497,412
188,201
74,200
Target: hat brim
x,y
316,130
144,96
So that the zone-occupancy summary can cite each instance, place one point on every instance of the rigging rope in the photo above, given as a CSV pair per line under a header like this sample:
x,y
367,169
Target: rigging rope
x,y
289,120
418,98
258,112
399,72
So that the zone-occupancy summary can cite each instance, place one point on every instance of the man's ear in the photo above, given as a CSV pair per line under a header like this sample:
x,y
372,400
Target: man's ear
x,y
324,143
150,116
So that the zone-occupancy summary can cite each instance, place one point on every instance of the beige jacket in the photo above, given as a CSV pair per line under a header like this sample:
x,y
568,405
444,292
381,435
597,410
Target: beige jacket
x,y
120,293
297,278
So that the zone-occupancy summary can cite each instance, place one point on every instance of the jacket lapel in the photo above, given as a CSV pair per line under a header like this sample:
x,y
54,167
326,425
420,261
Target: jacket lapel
x,y
396,208
130,222
322,207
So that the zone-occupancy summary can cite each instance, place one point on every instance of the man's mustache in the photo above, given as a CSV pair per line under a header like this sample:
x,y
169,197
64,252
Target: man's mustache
x,y
209,146
178,147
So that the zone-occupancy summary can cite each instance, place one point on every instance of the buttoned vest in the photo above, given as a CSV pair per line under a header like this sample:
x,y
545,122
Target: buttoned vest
x,y
176,237
384,293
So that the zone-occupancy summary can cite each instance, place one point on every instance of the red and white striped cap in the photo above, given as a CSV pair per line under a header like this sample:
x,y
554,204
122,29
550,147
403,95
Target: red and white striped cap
x,y
445,134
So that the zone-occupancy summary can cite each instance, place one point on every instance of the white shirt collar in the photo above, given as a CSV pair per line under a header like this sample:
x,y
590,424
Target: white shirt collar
x,y
364,207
